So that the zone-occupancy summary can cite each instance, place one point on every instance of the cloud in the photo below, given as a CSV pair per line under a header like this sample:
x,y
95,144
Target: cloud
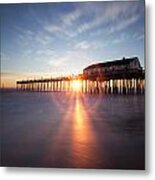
x,y
29,37
138,36
82,45
34,45
71,17
23,75
86,17
123,37
59,61
116,15
92,16
43,38
123,24
53,28
45,52
70,62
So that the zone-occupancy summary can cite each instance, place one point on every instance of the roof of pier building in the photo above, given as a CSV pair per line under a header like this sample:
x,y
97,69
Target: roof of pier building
x,y
123,62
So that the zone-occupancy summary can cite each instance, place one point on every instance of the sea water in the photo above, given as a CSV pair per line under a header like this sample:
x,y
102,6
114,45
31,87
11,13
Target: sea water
x,y
72,130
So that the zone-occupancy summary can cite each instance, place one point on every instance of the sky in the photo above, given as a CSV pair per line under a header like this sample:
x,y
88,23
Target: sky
x,y
60,39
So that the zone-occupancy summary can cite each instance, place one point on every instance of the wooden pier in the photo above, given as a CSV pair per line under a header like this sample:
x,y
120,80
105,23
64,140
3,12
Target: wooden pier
x,y
99,85
125,76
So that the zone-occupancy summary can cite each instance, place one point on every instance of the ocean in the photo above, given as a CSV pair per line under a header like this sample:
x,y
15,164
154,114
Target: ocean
x,y
72,130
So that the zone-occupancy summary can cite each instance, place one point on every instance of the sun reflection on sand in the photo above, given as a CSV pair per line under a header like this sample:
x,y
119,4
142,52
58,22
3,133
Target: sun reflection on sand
x,y
79,115
74,138
83,136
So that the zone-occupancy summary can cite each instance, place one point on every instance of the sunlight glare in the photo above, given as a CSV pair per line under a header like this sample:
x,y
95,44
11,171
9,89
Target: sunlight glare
x,y
76,85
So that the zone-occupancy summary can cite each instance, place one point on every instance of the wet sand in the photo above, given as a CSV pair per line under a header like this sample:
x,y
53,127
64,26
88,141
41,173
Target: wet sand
x,y
72,130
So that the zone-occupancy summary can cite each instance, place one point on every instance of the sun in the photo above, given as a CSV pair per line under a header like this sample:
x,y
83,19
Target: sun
x,y
76,85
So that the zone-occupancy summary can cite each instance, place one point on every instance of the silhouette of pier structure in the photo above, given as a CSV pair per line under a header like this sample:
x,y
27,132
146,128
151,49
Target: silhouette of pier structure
x,y
124,76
